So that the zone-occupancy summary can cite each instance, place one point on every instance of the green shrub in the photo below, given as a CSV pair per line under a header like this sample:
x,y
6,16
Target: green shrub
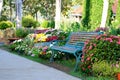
x,y
5,24
103,68
103,47
45,24
28,21
75,26
70,27
52,24
22,32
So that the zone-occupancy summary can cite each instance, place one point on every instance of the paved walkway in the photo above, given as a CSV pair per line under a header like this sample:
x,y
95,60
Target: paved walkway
x,y
13,67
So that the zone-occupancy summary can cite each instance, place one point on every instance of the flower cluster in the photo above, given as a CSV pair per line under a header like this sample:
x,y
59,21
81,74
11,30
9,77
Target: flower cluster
x,y
102,47
40,37
51,38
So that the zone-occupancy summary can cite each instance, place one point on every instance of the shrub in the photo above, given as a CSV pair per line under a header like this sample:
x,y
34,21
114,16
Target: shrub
x,y
52,24
45,24
103,47
103,68
28,21
22,32
6,24
75,26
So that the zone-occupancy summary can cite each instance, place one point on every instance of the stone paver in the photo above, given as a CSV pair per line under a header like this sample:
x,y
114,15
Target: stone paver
x,y
13,67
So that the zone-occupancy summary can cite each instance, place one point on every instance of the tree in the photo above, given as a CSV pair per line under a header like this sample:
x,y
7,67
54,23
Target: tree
x,y
1,3
58,14
18,13
104,13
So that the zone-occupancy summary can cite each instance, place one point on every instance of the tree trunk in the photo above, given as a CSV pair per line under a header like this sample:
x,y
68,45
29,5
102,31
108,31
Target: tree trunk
x,y
18,13
1,3
104,13
58,14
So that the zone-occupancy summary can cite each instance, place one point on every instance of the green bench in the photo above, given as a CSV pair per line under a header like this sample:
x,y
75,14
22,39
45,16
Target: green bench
x,y
74,45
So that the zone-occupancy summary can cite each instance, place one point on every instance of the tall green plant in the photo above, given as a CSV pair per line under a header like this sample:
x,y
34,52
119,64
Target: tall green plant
x,y
93,13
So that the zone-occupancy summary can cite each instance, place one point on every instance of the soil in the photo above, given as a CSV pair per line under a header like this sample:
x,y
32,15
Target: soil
x,y
59,67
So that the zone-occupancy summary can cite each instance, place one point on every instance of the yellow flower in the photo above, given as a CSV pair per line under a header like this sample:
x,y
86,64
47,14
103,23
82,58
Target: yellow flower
x,y
40,37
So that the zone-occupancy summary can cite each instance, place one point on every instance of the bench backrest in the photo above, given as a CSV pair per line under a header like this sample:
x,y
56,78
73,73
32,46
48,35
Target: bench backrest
x,y
76,37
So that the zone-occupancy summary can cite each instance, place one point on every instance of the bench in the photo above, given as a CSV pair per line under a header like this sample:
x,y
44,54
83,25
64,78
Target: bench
x,y
74,45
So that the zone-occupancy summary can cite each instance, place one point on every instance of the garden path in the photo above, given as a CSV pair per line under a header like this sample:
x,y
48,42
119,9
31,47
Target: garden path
x,y
14,67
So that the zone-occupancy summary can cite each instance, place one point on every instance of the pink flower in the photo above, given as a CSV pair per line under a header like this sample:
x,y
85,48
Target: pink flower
x,y
109,39
87,41
118,42
98,37
88,58
90,47
117,65
82,57
82,60
115,37
94,45
104,34
91,54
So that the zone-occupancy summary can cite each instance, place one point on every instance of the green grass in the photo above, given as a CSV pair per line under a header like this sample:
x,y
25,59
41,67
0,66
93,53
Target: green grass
x,y
65,63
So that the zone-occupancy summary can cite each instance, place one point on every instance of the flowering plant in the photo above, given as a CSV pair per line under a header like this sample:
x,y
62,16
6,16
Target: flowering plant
x,y
40,37
102,47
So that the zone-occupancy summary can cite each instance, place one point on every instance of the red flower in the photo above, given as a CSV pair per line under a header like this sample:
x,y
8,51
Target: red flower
x,y
89,67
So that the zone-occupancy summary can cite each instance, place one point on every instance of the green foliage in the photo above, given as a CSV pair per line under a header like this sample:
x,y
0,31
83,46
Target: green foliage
x,y
51,24
93,13
70,27
103,47
5,24
3,18
28,21
35,51
45,24
86,14
22,32
103,68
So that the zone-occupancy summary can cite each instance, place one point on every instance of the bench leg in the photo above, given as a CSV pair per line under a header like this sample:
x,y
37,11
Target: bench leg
x,y
77,63
52,56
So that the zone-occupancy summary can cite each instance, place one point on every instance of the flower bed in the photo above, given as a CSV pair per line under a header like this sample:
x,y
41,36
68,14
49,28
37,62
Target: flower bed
x,y
104,49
